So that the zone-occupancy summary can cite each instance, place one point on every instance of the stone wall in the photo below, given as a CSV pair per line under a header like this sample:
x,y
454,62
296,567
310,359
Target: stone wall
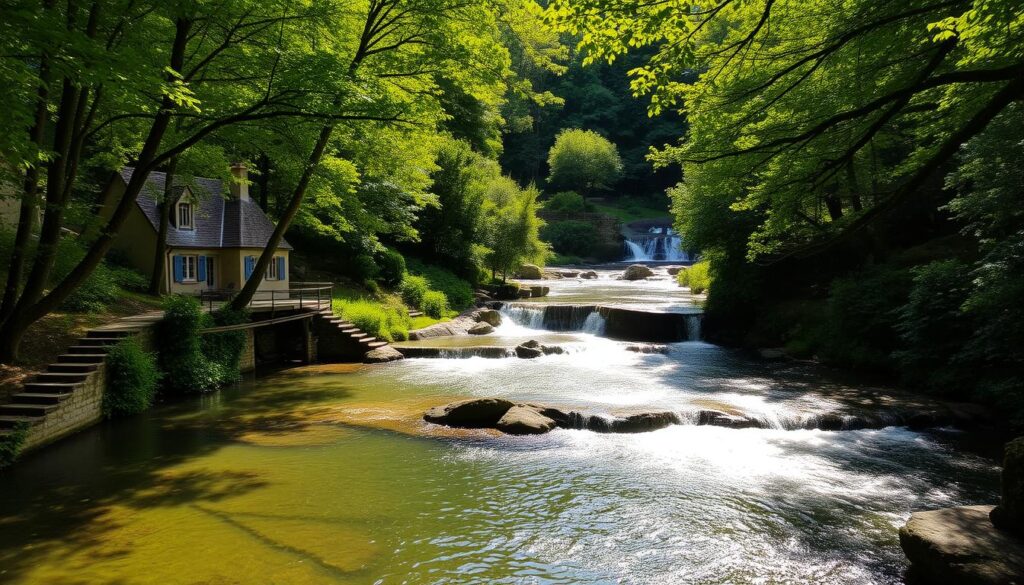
x,y
81,410
247,362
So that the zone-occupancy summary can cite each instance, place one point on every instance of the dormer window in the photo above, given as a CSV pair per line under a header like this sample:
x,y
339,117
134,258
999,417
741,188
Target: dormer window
x,y
185,213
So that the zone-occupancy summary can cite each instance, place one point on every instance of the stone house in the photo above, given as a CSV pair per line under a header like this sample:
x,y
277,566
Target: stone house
x,y
214,238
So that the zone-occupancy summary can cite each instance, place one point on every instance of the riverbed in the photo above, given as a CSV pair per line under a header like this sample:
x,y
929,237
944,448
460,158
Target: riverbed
x,y
328,474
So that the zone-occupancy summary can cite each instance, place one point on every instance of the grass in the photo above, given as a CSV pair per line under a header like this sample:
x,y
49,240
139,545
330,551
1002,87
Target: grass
x,y
627,210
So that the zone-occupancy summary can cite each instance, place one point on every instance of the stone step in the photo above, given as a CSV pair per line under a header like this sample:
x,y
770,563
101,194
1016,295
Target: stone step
x,y
40,398
414,314
367,339
72,377
360,335
376,344
9,421
351,330
108,333
50,387
93,349
100,341
72,368
79,358
16,409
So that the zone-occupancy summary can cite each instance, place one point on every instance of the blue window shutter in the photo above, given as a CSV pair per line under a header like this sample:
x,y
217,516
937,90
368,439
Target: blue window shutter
x,y
179,269
250,264
201,269
280,268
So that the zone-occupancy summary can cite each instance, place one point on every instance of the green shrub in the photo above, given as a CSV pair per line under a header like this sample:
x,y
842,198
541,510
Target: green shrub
x,y
11,444
392,267
413,288
366,268
435,304
129,279
187,370
387,320
459,292
224,350
566,202
99,290
132,378
578,238
696,277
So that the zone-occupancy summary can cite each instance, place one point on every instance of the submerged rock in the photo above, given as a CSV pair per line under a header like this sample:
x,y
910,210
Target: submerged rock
x,y
961,546
382,354
673,270
648,348
588,275
524,420
637,272
644,422
476,413
481,329
530,272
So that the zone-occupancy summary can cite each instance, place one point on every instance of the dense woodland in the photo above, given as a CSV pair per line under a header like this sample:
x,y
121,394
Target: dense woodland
x,y
850,168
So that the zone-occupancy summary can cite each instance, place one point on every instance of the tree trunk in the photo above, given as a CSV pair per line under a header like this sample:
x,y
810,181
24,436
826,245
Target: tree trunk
x,y
29,205
160,255
28,312
244,296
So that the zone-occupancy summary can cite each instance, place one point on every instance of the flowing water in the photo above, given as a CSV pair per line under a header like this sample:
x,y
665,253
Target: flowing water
x,y
326,474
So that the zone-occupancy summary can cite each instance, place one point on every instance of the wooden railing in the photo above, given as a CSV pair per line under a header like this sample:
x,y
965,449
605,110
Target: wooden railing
x,y
300,295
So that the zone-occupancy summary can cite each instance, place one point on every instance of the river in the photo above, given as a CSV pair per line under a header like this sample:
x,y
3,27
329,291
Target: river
x,y
327,474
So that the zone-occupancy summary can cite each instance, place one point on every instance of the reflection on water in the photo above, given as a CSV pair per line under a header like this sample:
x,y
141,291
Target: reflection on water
x,y
327,474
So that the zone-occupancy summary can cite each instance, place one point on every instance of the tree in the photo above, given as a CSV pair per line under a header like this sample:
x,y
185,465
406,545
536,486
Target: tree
x,y
583,161
511,228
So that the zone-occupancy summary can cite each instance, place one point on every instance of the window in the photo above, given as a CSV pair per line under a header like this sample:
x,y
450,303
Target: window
x,y
185,215
274,270
188,268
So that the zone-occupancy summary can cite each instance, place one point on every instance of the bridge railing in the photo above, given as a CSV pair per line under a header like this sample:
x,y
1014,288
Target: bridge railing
x,y
300,295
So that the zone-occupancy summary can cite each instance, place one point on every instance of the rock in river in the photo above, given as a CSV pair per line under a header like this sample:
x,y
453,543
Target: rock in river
x,y
529,350
524,420
489,316
637,272
1009,514
382,354
530,272
588,275
481,329
961,546
476,413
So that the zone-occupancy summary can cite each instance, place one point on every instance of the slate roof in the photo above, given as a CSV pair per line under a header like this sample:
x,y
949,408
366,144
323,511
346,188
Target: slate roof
x,y
219,222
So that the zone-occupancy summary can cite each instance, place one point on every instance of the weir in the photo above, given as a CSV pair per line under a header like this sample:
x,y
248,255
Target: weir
x,y
623,323
658,244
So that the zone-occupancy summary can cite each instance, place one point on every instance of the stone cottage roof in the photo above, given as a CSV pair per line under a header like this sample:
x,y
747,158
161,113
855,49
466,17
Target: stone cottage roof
x,y
219,222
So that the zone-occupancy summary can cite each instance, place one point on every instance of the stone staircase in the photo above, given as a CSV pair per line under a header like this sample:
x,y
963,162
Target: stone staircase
x,y
68,394
341,339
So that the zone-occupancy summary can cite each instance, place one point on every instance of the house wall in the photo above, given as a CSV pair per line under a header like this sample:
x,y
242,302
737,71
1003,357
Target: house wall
x,y
136,242
229,268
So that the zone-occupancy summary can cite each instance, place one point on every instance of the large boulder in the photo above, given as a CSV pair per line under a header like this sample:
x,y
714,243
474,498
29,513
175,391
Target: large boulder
x,y
539,291
476,413
588,275
529,349
530,272
506,292
637,272
382,354
480,329
524,420
1009,514
489,316
961,546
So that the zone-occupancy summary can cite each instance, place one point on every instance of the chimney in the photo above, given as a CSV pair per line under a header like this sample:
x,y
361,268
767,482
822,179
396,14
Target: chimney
x,y
240,186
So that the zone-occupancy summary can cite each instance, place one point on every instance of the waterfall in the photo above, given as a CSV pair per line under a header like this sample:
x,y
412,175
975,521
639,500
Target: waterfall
x,y
636,252
594,323
585,318
693,327
656,245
